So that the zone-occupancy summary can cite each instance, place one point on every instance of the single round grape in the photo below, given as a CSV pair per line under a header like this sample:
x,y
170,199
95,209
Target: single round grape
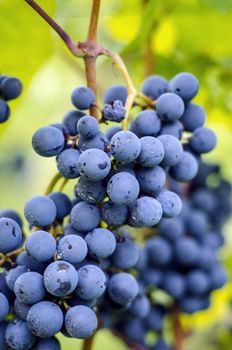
x,y
18,335
218,277
115,111
151,179
203,140
173,150
85,217
152,152
123,188
126,254
5,307
29,287
13,274
198,283
101,243
63,204
160,251
191,304
134,329
4,111
3,344
112,131
175,129
40,211
197,223
194,117
170,107
11,214
88,127
70,121
146,211
94,164
11,88
174,284
170,202
100,141
185,85
60,278
21,309
41,245
83,97
80,322
147,123
48,141
140,306
154,86
10,235
186,169
125,146
67,163
115,92
186,251
72,248
122,288
48,344
114,214
171,228
153,277
31,263
91,282
45,319
155,318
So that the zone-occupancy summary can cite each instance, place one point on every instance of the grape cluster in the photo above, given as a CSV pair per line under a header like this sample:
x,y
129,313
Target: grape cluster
x,y
81,263
10,89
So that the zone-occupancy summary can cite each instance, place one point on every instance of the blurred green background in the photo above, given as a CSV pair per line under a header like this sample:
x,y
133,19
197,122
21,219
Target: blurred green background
x,y
163,37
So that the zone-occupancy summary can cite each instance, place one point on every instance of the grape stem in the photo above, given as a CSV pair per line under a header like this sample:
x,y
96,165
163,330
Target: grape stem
x,y
53,183
178,331
8,256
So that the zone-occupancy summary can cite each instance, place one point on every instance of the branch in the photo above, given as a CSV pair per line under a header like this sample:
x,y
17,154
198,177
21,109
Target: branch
x,y
60,31
178,331
92,34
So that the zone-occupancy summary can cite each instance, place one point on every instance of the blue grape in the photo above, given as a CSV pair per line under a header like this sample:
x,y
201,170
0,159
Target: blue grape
x,y
3,286
125,146
70,230
48,344
126,254
169,107
194,116
175,129
94,164
203,199
92,282
186,251
122,288
147,123
29,287
13,274
4,111
45,319
83,97
203,140
114,214
154,86
197,282
80,322
11,88
21,309
146,211
155,318
151,179
41,246
174,284
5,308
161,345
60,278
3,345
63,204
10,234
72,248
191,304
170,202
152,152
88,127
197,223
62,128
100,141
70,121
173,150
112,131
134,329
67,163
218,277
48,141
140,306
19,336
153,277
11,214
186,169
90,192
115,111
115,92
123,188
171,228
30,263
101,243
40,211
85,217
159,251
142,262
185,85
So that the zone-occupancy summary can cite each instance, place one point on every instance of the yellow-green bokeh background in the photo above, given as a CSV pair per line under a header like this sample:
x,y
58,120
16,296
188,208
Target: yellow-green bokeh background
x,y
184,35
